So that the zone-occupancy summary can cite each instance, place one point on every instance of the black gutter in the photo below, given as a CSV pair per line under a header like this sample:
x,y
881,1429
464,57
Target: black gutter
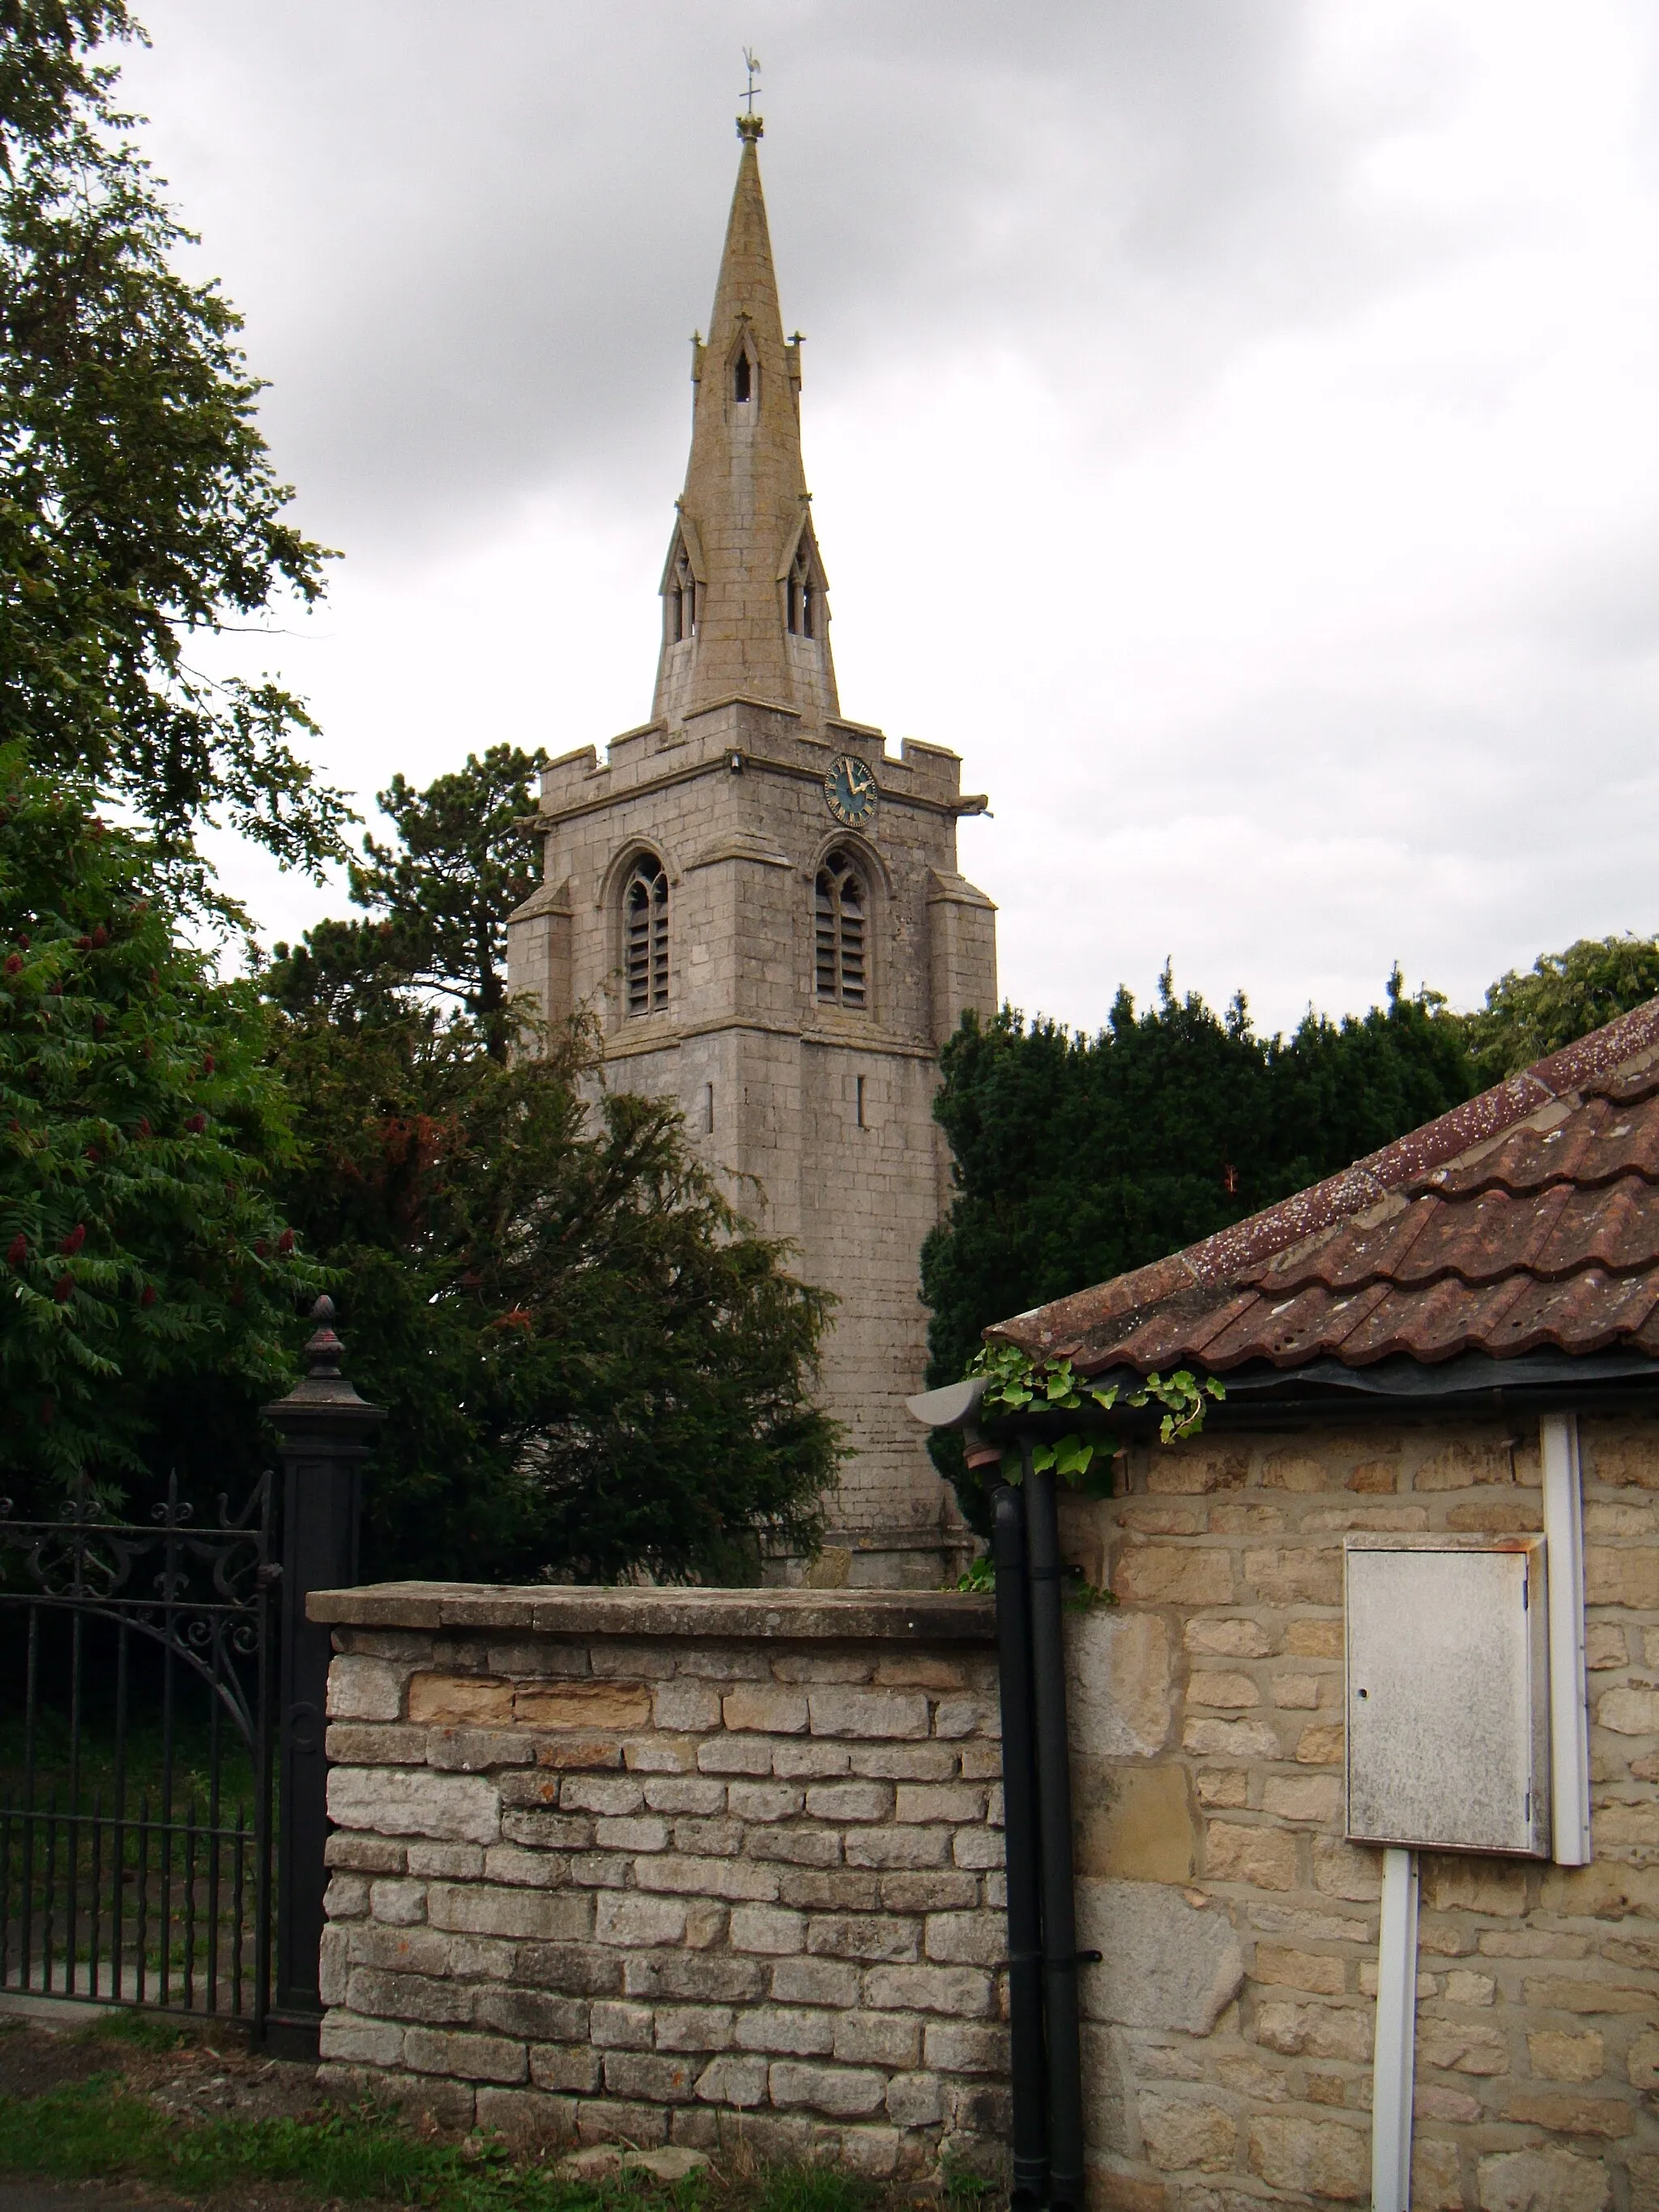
x,y
1054,1779
1030,2127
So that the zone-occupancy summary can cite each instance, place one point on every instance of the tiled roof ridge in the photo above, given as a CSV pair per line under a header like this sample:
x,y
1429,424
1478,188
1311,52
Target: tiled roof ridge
x,y
1217,1261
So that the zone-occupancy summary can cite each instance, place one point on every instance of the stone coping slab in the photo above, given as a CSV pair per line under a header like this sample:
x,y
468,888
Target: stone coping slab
x,y
556,1609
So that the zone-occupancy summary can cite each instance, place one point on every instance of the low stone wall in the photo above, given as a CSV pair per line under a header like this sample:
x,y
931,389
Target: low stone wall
x,y
671,1867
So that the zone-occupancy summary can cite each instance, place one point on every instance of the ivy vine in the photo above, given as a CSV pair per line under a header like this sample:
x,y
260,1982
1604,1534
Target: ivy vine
x,y
1015,1382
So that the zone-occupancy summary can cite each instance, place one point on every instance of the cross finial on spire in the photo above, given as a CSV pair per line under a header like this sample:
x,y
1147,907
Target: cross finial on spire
x,y
749,127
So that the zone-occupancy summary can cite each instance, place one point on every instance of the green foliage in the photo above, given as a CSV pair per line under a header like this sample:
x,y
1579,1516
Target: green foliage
x,y
1015,1383
141,1249
464,860
1561,997
590,1363
138,509
1077,1159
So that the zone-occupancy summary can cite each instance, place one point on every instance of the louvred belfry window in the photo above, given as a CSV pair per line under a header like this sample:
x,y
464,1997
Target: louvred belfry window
x,y
803,613
682,597
645,918
841,952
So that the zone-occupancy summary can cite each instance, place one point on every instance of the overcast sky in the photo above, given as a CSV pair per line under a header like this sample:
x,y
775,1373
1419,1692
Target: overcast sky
x,y
1232,429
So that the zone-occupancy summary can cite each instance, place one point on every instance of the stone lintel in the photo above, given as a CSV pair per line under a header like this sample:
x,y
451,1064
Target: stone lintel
x,y
799,1615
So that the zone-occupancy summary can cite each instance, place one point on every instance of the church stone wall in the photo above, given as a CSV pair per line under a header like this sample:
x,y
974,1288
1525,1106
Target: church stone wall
x,y
719,1868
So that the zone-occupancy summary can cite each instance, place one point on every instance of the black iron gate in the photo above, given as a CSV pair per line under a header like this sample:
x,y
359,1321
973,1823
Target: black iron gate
x,y
136,1775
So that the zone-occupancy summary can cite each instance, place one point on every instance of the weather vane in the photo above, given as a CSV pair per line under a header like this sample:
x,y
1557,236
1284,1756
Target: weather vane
x,y
751,63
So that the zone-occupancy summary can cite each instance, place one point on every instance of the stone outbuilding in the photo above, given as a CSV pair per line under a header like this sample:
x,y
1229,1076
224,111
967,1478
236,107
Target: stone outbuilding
x,y
1445,1360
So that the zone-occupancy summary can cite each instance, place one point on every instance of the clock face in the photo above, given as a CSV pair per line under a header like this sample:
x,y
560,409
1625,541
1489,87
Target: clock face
x,y
850,788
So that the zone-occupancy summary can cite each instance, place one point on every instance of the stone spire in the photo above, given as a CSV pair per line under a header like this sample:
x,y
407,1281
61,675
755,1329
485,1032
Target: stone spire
x,y
745,608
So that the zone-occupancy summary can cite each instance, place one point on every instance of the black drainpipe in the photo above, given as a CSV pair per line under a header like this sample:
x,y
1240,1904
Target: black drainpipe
x,y
1019,1793
1054,1778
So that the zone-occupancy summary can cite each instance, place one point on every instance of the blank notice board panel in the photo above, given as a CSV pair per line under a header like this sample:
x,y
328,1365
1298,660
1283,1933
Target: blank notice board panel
x,y
1448,1693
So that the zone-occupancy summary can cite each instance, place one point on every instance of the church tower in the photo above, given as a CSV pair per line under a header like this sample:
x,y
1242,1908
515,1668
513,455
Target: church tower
x,y
761,904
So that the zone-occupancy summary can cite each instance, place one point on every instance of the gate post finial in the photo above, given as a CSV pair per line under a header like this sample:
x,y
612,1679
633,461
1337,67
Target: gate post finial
x,y
327,1430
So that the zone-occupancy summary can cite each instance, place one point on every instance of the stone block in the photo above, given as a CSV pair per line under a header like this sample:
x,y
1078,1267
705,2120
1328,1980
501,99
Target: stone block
x,y
868,1936
1437,2175
981,1850
1295,1574
1316,1797
938,1889
706,1977
1315,2030
465,2057
1543,2181
955,2047
589,1970
653,2078
1190,1470
810,1762
810,1847
1119,1683
685,1707
764,1802
397,1903
475,1910
531,2015
780,2028
720,1838
434,2003
831,1889
1629,1711
1569,2115
1179,2134
1319,2157
1343,1870
1222,1686
1175,1965
333,1967
1319,1973
730,2080
346,1897
550,1706
1557,2056
613,1796
441,1700
767,1927
878,2039
1169,1574
698,1793
1627,1575
365,1689
766,1710
845,1712
518,1868
474,1751
1463,1988
907,1847
610,2120
959,1990
914,1762
694,2028
1228,1640
849,1800
625,1918
736,1754
1141,1829
833,1981
965,1939
1265,1857
740,1879
409,1801
1455,1881
527,2119
845,2092
363,1853
445,1861
1462,2046
631,1833
914,2100
1218,1739
919,1801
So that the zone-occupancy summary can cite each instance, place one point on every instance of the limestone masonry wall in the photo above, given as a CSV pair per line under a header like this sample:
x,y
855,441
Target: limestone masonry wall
x,y
670,1867
1230,2026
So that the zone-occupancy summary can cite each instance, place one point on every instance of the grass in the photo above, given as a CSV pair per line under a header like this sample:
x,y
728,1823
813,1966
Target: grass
x,y
100,2130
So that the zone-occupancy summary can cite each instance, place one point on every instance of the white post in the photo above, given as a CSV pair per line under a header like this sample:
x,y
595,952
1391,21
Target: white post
x,y
1564,1538
1396,2026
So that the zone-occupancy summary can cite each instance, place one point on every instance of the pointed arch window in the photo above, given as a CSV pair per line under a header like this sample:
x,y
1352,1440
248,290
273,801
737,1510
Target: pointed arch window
x,y
682,598
841,954
804,596
644,924
743,379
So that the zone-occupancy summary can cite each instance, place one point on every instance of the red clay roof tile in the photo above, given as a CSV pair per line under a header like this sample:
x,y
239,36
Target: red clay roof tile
x,y
1527,1218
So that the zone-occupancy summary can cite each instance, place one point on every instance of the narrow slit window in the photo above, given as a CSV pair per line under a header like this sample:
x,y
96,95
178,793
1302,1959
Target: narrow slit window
x,y
840,951
682,601
742,381
645,917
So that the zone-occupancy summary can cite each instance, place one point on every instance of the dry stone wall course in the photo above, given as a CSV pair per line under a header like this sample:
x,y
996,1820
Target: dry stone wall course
x,y
675,1889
